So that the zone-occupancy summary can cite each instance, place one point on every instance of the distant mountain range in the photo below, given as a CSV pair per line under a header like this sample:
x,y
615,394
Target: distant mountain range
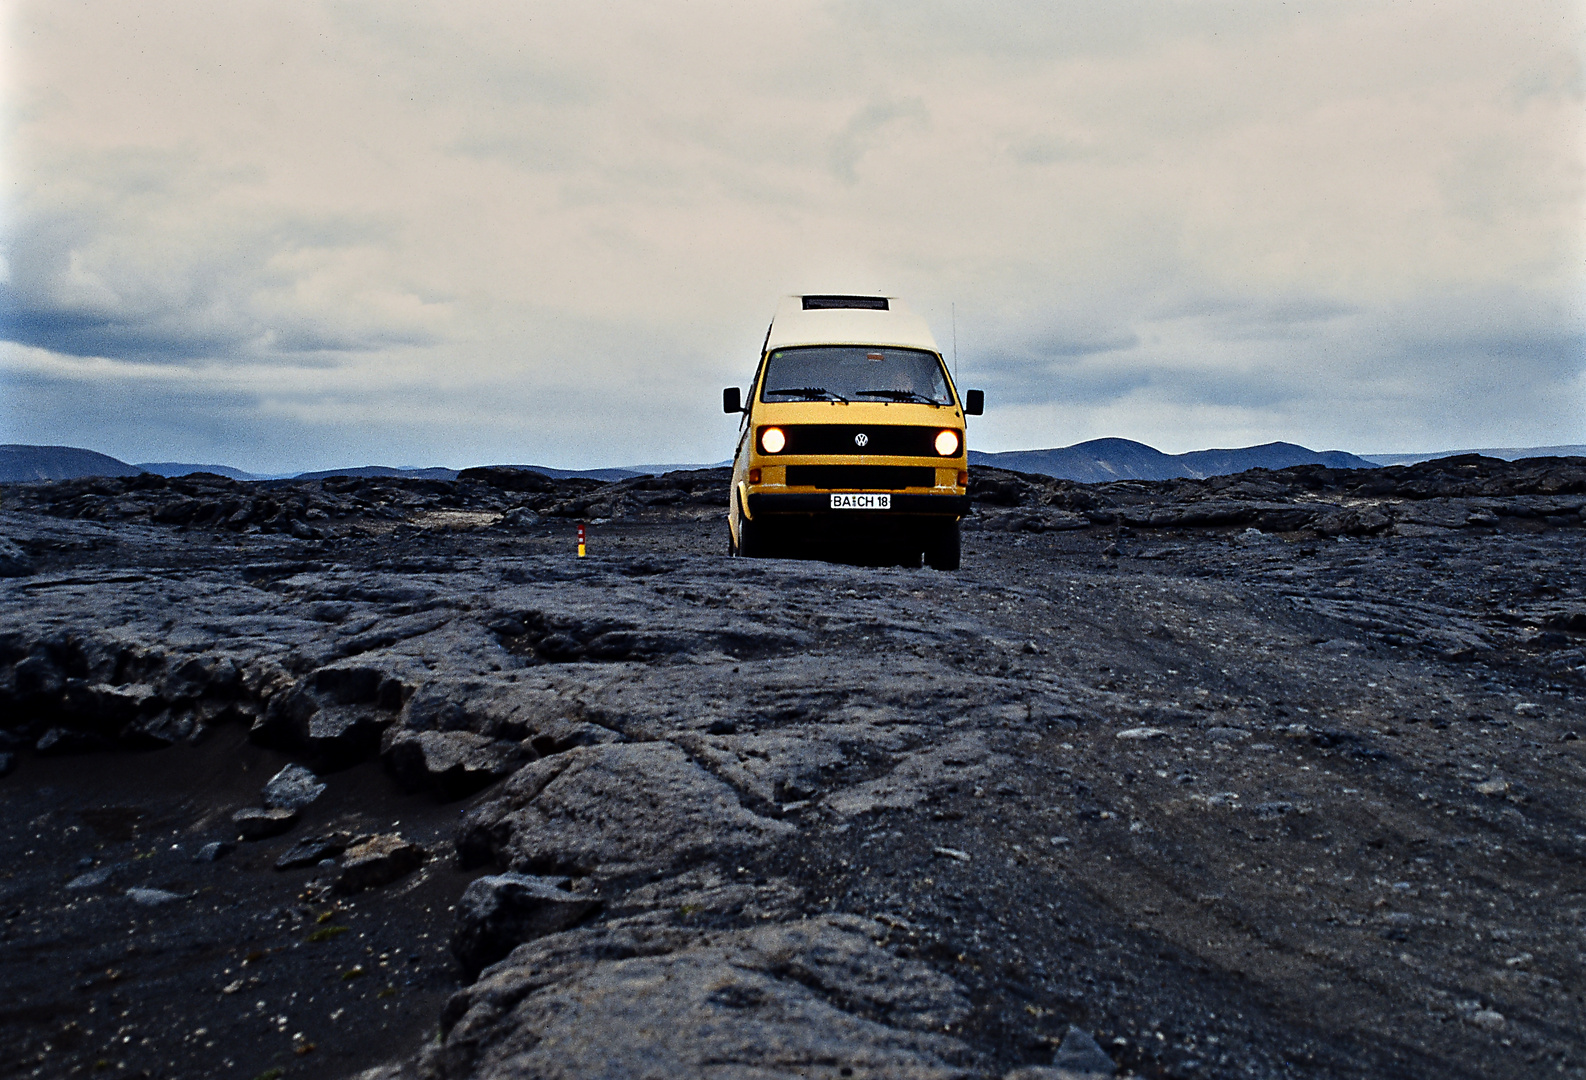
x,y
58,463
177,468
436,473
1101,460
1096,461
1507,453
20,463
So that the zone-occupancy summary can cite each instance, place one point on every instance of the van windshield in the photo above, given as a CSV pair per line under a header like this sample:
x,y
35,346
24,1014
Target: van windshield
x,y
854,373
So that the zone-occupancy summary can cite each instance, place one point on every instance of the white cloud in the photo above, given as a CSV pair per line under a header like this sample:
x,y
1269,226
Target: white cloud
x,y
407,229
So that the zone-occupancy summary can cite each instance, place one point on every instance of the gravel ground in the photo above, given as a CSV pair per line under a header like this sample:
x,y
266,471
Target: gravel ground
x,y
1286,803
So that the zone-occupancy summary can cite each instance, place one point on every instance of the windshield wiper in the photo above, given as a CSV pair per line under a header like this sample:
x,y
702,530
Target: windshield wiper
x,y
811,392
899,395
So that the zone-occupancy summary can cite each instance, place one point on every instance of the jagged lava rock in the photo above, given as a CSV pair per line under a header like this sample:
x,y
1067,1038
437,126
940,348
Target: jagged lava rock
x,y
153,897
214,851
455,763
501,911
261,823
378,861
14,561
59,742
772,1001
1079,1053
312,850
293,788
618,808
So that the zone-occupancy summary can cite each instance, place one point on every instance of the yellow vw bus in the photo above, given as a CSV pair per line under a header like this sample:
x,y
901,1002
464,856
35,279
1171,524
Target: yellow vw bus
x,y
852,436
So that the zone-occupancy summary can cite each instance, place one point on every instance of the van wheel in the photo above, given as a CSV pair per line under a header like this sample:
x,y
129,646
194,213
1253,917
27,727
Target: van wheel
x,y
942,550
750,543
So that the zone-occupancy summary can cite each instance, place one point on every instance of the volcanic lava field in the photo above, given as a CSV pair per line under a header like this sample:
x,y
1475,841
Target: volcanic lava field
x,y
1268,775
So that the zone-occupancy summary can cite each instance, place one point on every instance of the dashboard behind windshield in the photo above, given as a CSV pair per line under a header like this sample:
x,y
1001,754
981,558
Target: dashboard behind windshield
x,y
854,373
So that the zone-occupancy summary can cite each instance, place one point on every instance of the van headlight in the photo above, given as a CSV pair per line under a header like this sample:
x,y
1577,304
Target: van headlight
x,y
946,442
772,440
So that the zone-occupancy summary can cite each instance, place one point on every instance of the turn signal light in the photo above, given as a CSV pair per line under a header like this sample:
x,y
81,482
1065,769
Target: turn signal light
x,y
963,478
772,440
754,476
947,442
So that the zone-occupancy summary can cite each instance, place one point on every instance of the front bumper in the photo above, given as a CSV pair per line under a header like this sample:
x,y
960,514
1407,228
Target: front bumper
x,y
819,503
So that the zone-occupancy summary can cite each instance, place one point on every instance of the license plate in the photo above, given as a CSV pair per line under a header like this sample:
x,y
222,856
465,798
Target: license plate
x,y
861,502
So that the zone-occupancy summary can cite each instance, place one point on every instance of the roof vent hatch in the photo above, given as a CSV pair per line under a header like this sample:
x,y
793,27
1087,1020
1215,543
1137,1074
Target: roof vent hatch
x,y
864,303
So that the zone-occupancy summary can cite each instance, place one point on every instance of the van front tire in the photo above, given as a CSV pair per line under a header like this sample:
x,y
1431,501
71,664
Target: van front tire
x,y
942,549
751,545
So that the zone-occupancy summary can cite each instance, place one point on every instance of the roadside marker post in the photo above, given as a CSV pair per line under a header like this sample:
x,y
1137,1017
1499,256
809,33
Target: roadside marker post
x,y
580,541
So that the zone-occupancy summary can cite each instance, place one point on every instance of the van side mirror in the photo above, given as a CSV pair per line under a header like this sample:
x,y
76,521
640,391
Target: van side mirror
x,y
731,400
974,402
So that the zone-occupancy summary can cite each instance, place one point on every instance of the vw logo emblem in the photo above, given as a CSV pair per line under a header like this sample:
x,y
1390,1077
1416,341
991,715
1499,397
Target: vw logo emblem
x,y
861,439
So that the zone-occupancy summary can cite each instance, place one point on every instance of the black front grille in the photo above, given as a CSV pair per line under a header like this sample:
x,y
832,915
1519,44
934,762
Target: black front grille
x,y
896,440
861,477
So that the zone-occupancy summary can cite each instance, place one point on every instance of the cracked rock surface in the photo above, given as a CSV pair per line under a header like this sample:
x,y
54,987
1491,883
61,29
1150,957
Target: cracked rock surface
x,y
1274,775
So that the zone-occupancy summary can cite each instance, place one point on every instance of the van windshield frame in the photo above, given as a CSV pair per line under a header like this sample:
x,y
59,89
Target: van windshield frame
x,y
884,373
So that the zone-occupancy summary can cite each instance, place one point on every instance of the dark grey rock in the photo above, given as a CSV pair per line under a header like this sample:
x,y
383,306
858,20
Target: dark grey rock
x,y
348,684
378,861
637,1001
198,675
455,763
259,823
619,807
214,851
391,631
1227,734
59,742
91,880
106,708
37,678
506,626
521,518
163,729
389,1071
559,648
14,562
499,912
560,736
312,851
344,734
335,716
293,788
153,897
1269,811
284,723
1285,519
1080,1054
507,478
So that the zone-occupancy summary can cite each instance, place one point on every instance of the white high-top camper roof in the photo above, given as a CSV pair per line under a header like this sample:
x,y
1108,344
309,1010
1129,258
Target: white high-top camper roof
x,y
819,319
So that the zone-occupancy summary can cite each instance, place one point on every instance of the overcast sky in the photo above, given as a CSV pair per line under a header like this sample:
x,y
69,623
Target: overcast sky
x,y
289,235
